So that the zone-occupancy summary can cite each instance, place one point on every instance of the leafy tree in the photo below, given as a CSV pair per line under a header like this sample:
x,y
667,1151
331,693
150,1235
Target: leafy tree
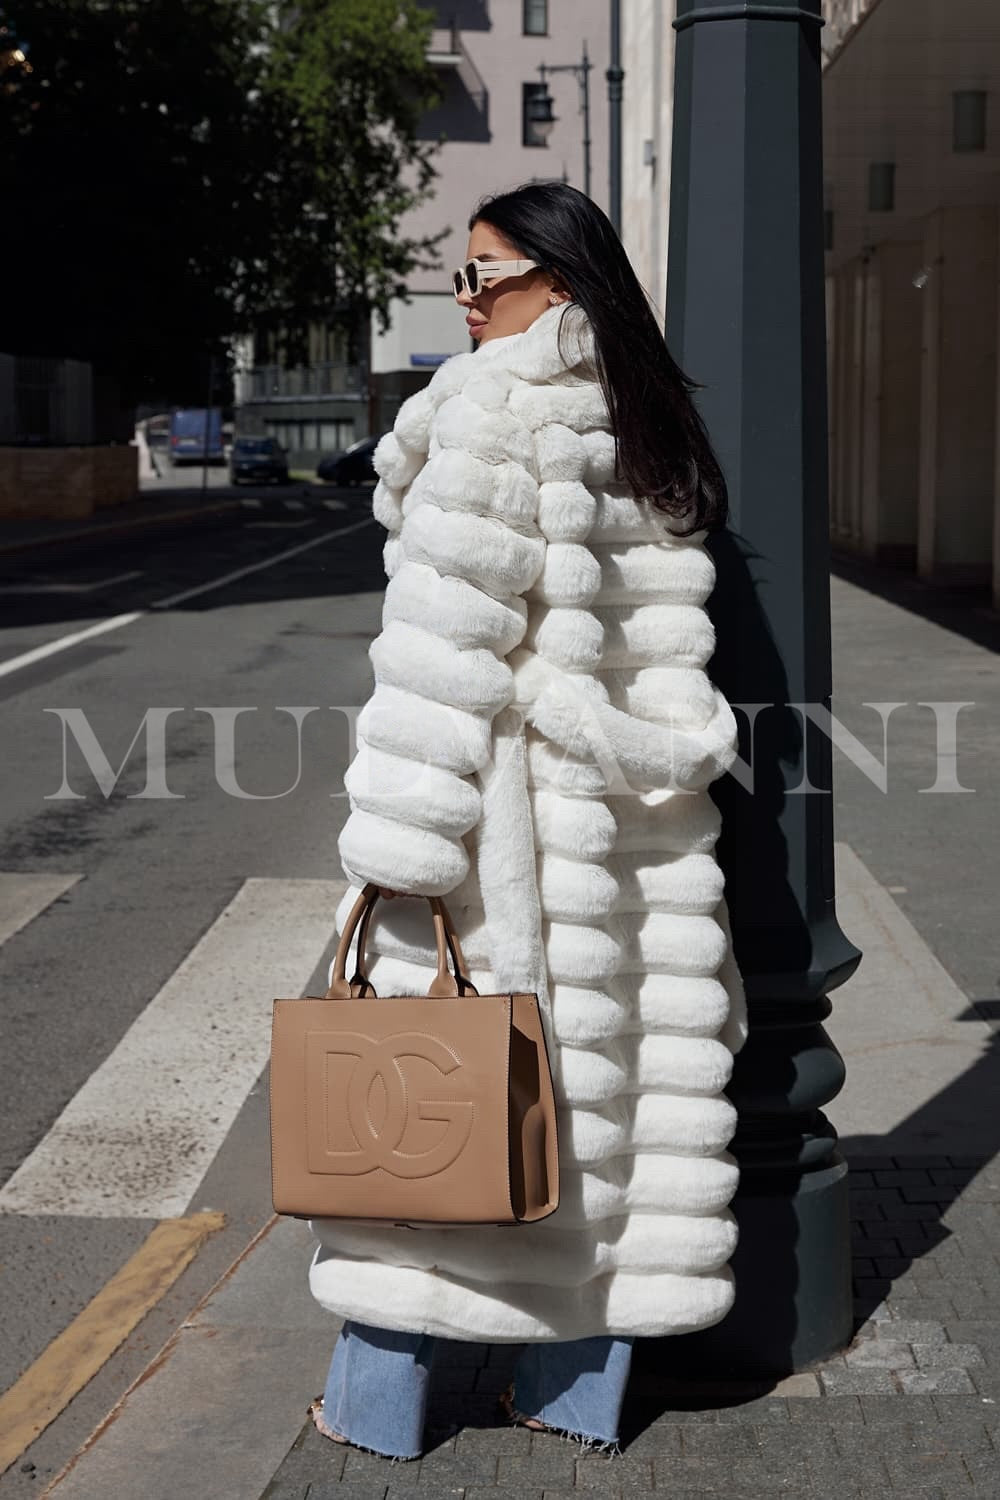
x,y
349,81
184,170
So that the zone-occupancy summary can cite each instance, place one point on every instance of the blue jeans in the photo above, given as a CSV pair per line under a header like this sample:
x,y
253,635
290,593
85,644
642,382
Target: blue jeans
x,y
379,1381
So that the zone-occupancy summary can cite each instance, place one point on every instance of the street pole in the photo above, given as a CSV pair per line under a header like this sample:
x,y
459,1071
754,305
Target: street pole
x,y
615,77
585,68
581,72
208,418
746,317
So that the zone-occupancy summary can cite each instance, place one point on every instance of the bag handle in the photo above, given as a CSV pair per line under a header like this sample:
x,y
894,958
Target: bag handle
x,y
445,982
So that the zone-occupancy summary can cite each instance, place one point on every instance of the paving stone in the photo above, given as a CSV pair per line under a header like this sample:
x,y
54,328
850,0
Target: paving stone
x,y
490,1492
657,1438
835,1409
892,1266
765,1409
915,1410
498,1440
913,1330
550,1466
903,1176
941,1356
858,1380
458,1469
625,1471
409,1491
802,1384
891,1354
865,1247
372,1490
919,1472
984,1470
931,1382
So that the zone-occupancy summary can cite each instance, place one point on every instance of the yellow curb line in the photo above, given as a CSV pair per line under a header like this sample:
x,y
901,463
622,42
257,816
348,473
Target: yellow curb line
x,y
75,1355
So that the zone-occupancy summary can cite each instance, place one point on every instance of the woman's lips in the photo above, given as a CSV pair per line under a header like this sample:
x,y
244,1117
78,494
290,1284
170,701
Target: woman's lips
x,y
474,323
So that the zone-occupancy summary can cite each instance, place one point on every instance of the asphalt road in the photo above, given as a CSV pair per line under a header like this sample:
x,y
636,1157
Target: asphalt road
x,y
126,893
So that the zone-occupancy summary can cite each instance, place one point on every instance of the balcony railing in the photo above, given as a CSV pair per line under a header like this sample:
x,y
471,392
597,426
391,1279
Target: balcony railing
x,y
274,383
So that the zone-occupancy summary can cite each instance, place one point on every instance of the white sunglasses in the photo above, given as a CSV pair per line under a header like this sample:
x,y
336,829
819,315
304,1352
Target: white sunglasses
x,y
470,277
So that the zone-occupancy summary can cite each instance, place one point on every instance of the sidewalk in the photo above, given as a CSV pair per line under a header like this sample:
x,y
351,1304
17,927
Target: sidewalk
x,y
911,1408
146,515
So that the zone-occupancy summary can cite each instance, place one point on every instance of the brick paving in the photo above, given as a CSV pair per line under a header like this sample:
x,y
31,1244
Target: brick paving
x,y
911,1407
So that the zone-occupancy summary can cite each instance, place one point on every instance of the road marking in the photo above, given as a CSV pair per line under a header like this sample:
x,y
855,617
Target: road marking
x,y
280,525
138,1137
251,503
268,562
39,653
70,588
115,622
335,504
295,505
76,1354
24,896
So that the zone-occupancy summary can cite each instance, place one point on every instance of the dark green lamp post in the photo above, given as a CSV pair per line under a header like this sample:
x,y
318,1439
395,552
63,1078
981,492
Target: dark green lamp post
x,y
746,317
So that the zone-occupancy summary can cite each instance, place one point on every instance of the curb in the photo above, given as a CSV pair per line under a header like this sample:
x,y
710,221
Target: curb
x,y
113,530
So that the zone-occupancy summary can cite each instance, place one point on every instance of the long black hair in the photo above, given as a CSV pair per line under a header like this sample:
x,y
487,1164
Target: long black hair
x,y
663,451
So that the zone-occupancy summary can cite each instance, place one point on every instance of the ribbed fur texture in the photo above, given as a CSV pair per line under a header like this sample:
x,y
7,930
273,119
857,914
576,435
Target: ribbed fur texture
x,y
537,748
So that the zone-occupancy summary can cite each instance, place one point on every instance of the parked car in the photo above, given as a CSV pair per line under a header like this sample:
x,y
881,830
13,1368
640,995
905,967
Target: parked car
x,y
258,458
195,435
353,466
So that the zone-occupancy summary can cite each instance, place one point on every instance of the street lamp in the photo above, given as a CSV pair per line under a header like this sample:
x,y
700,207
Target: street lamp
x,y
541,112
746,318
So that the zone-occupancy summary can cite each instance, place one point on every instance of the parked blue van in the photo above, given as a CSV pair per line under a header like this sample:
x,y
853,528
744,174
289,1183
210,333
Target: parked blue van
x,y
196,436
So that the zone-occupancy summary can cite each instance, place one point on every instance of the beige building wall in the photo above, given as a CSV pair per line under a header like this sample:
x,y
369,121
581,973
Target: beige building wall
x,y
913,322
647,135
483,61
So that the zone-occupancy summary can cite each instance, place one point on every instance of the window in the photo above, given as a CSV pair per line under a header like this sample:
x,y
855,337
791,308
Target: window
x,y
531,135
536,17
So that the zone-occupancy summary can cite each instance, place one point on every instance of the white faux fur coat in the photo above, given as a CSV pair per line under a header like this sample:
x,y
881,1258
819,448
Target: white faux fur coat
x,y
526,588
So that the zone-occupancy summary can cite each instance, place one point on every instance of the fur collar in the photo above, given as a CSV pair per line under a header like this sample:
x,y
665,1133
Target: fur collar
x,y
560,341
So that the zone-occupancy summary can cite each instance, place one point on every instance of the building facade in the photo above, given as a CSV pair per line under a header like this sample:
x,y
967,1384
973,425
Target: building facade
x,y
912,182
487,54
647,137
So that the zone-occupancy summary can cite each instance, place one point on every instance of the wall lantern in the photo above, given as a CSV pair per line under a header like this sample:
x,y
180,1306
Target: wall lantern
x,y
540,113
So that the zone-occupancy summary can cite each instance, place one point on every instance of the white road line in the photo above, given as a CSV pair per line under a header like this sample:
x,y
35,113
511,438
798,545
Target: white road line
x,y
280,525
295,505
335,504
138,1137
24,896
39,653
251,503
268,562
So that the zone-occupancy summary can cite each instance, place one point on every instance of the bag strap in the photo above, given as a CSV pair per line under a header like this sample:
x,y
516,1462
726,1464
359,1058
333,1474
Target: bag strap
x,y
445,982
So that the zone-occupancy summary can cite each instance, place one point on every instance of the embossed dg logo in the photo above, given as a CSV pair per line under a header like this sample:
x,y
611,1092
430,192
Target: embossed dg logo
x,y
351,1076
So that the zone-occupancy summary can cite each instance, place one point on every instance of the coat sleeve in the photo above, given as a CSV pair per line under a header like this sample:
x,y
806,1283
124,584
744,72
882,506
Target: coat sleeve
x,y
460,507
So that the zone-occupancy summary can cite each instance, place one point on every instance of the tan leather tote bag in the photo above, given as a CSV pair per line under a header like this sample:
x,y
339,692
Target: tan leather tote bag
x,y
430,1109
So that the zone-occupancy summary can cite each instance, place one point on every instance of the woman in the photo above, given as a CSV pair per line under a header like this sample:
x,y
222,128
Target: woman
x,y
540,676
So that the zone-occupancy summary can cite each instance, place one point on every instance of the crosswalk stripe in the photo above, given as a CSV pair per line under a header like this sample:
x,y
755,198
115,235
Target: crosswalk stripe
x,y
295,505
335,504
138,1137
250,503
24,896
